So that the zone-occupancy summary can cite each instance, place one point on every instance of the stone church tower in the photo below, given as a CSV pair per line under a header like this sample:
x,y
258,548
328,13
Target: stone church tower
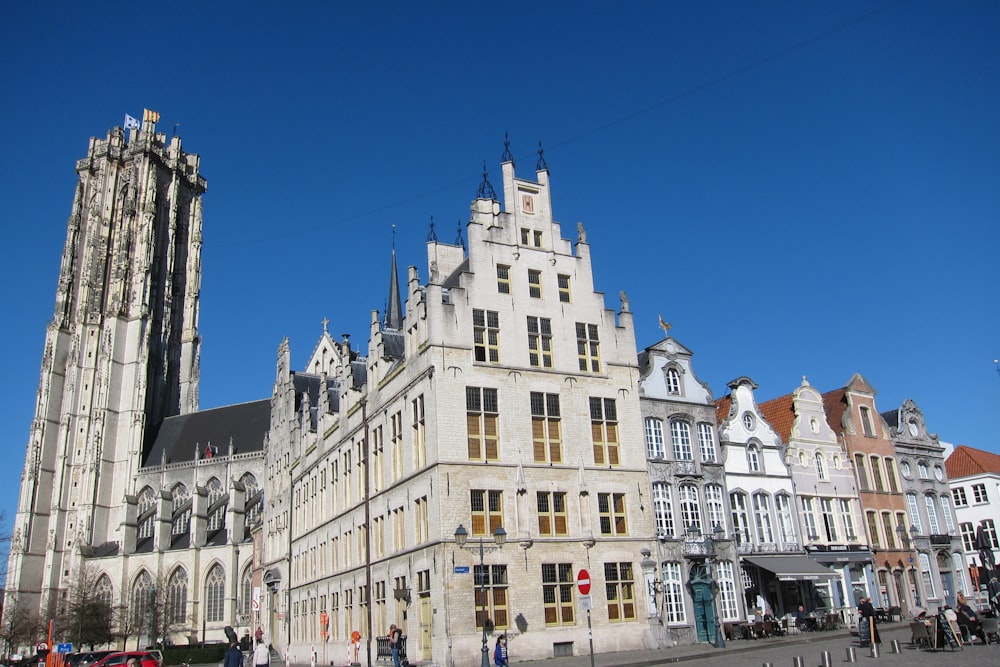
x,y
121,353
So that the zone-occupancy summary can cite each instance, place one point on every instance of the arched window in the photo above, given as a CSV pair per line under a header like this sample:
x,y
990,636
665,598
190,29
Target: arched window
x,y
663,509
673,593
103,591
142,597
762,517
680,433
820,466
690,509
727,590
654,438
215,593
925,573
706,439
217,518
181,507
673,381
911,506
177,593
741,519
147,513
253,499
802,460
246,591
713,503
922,470
753,457
932,517
949,519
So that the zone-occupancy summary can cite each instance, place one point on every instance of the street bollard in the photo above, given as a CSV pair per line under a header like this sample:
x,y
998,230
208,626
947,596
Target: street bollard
x,y
825,657
895,646
851,655
768,664
874,650
797,661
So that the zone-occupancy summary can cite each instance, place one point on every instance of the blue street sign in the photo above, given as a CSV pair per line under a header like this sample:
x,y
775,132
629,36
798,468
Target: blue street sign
x,y
461,569
64,648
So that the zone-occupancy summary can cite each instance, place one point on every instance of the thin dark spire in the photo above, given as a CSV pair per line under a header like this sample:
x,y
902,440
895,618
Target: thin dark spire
x,y
507,156
486,190
394,308
432,235
460,241
541,165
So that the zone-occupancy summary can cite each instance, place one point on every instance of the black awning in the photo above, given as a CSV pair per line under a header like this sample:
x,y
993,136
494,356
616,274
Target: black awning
x,y
792,568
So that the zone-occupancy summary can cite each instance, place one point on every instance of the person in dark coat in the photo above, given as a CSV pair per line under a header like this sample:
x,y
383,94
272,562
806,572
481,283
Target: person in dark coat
x,y
969,618
868,611
234,656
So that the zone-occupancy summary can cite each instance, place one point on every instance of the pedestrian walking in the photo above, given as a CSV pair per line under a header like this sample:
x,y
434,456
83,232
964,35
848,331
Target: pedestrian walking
x,y
261,656
500,652
395,641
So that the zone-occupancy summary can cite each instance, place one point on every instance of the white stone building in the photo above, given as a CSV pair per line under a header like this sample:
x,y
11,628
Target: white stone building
x,y
506,397
974,477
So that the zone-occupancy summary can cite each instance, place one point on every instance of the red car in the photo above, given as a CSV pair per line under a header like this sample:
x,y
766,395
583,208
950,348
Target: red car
x,y
121,658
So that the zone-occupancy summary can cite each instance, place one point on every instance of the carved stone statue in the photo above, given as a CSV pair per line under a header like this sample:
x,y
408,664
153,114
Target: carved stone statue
x,y
581,233
624,299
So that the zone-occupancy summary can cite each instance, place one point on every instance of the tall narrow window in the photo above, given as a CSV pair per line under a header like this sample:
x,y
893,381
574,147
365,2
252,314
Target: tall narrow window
x,y
419,433
673,593
968,536
491,597
545,427
706,439
925,575
619,591
949,517
890,475
873,532
673,381
557,593
564,293
867,425
588,347
604,430
534,284
714,506
396,443
540,342
503,278
820,466
753,457
487,512
216,505
611,510
762,517
654,438
860,468
215,594
932,518
991,532
829,521
482,418
786,523
877,474
809,517
911,506
486,335
177,593
147,513
181,506
690,509
890,535
680,434
663,510
847,518
551,513
727,591
741,518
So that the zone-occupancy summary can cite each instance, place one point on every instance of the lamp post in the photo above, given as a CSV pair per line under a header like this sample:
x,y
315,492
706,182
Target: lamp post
x,y
499,536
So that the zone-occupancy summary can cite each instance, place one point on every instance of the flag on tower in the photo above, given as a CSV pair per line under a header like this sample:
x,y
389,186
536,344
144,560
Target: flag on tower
x,y
150,116
131,123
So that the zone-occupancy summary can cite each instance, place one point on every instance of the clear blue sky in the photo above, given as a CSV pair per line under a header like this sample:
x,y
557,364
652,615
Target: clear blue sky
x,y
801,188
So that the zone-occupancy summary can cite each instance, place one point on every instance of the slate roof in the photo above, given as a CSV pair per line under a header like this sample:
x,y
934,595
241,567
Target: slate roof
x,y
892,418
245,424
835,405
966,461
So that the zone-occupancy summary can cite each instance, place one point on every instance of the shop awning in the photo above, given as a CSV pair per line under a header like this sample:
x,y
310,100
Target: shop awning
x,y
792,568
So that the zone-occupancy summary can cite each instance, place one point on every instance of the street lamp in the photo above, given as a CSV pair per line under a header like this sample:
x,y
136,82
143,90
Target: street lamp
x,y
499,536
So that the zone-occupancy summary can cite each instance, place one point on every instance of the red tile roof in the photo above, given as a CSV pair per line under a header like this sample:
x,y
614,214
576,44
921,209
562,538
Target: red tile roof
x,y
780,414
835,405
722,408
966,461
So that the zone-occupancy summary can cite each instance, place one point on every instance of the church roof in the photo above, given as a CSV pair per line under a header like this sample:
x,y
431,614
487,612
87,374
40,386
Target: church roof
x,y
181,436
966,461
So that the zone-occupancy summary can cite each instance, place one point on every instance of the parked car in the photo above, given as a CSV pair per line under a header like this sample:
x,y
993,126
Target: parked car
x,y
146,659
85,659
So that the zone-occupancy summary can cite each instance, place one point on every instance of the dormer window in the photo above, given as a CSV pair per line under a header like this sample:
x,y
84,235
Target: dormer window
x,y
753,457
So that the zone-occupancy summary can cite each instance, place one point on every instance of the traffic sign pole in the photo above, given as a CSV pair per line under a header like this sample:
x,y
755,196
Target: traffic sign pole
x,y
583,583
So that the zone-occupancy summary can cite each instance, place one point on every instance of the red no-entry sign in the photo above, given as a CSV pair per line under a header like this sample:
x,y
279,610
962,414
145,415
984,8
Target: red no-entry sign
x,y
583,582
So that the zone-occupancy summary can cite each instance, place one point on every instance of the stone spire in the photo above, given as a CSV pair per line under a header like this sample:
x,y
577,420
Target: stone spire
x,y
394,309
